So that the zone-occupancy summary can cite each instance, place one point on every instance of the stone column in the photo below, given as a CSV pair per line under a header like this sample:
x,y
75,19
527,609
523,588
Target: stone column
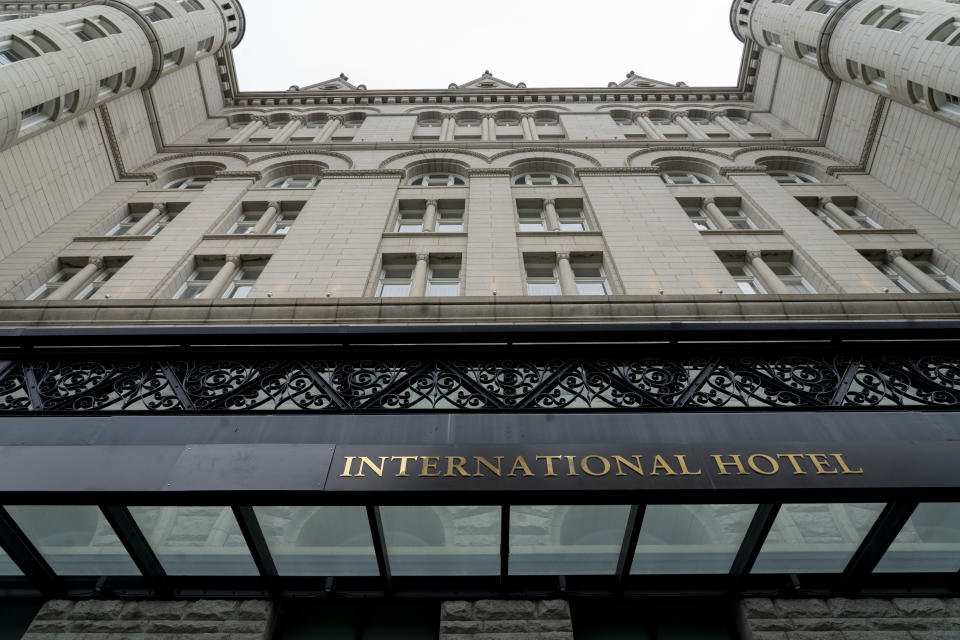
x,y
838,215
447,127
487,130
911,272
732,127
716,216
550,215
692,130
643,121
532,125
263,224
288,130
430,216
71,287
418,283
771,282
147,220
219,281
568,281
526,126
333,123
256,123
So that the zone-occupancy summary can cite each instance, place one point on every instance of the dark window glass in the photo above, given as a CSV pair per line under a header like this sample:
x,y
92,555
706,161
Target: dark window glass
x,y
346,620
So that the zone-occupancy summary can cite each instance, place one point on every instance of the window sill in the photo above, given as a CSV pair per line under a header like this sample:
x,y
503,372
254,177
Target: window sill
x,y
245,236
112,238
421,234
558,232
896,230
749,232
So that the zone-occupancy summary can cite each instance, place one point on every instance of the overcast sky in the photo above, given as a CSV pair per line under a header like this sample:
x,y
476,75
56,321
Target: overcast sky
x,y
427,45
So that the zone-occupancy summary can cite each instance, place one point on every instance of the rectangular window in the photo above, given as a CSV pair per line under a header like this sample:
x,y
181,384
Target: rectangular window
x,y
106,26
897,278
41,42
825,7
173,58
155,13
823,216
699,219
197,282
773,39
11,52
51,285
109,85
937,274
860,217
38,114
190,5
807,51
948,33
853,69
947,102
203,46
281,226
450,216
395,280
572,219
897,20
589,276
875,76
744,276
530,218
541,277
737,217
444,278
86,31
245,224
243,282
789,275
918,94
410,222
96,283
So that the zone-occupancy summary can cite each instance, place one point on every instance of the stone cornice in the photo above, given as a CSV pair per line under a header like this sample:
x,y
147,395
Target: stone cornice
x,y
238,175
368,174
617,171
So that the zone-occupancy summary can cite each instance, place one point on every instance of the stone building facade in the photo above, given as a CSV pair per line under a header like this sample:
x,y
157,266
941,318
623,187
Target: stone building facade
x,y
336,248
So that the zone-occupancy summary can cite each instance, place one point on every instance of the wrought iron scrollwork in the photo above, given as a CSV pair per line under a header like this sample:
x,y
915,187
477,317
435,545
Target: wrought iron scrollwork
x,y
630,381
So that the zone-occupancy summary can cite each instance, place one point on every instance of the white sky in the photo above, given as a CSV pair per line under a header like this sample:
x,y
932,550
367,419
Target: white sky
x,y
389,44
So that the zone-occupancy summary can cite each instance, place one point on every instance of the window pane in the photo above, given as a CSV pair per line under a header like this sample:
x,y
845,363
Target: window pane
x,y
591,289
815,538
929,542
574,540
442,541
74,540
443,289
400,290
7,566
543,289
196,541
695,538
319,541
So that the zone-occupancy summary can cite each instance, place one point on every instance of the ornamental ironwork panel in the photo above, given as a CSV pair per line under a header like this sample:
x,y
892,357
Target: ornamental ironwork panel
x,y
479,382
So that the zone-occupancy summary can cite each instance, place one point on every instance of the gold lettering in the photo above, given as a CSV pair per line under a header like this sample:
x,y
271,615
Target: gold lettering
x,y
489,465
822,464
364,460
403,464
521,464
660,463
571,466
638,469
792,457
722,466
682,461
549,460
451,465
843,464
429,463
590,472
347,463
774,465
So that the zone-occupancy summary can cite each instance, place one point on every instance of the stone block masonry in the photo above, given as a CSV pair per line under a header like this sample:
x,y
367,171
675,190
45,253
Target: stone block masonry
x,y
506,620
851,619
152,620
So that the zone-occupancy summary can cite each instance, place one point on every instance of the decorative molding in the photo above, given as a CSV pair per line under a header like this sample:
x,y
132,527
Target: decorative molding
x,y
680,149
872,131
561,150
743,170
438,150
238,175
347,174
617,171
489,173
198,154
791,149
305,151
114,145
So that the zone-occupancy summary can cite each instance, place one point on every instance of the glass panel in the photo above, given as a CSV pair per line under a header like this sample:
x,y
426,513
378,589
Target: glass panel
x,y
395,290
7,566
693,538
75,540
442,541
319,541
566,540
929,542
543,289
591,289
815,538
443,289
196,541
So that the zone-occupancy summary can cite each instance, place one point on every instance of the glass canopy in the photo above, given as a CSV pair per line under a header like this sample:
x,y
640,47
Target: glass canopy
x,y
465,541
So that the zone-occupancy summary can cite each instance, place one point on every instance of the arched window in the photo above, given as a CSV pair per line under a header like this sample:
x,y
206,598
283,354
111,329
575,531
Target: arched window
x,y
190,183
436,180
685,177
541,179
293,182
791,177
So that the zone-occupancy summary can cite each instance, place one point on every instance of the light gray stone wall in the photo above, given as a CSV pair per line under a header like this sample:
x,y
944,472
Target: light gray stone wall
x,y
847,619
151,620
506,620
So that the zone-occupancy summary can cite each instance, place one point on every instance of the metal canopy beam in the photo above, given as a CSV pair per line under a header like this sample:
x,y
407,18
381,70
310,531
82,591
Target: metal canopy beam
x,y
26,556
257,544
629,547
757,532
875,544
137,546
380,546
